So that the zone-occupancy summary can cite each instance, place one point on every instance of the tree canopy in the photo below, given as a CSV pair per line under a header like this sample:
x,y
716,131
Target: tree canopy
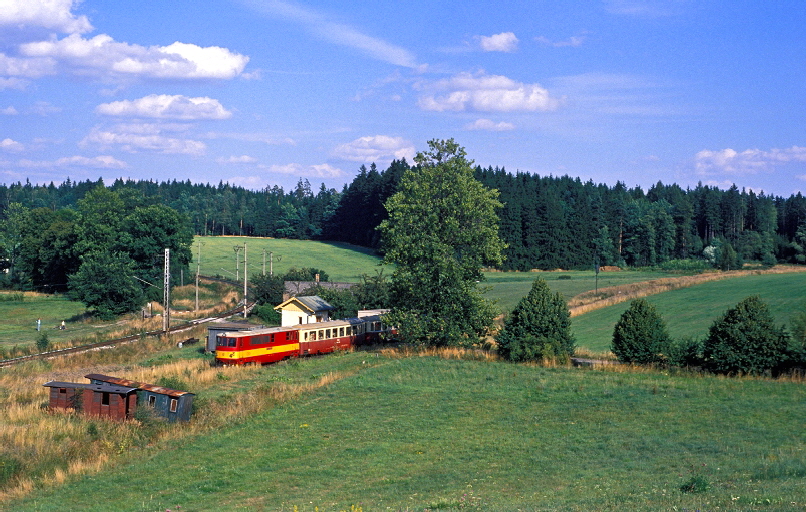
x,y
442,228
640,335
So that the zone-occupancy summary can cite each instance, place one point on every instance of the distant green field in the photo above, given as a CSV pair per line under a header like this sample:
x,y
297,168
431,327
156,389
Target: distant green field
x,y
420,434
510,287
18,320
691,311
342,262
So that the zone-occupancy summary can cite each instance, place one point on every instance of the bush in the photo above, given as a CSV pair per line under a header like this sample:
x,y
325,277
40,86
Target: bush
x,y
745,340
686,352
640,335
43,342
538,328
267,314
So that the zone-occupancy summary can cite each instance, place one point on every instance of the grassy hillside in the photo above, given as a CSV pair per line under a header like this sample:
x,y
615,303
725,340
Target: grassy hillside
x,y
691,311
342,262
423,433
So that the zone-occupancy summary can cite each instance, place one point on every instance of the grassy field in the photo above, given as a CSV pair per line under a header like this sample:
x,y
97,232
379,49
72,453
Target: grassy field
x,y
691,311
342,262
18,324
426,433
507,288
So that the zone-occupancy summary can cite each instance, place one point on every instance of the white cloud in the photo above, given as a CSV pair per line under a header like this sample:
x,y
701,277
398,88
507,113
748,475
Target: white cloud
x,y
9,111
49,14
749,161
43,108
318,171
243,159
572,41
12,83
11,145
103,56
322,26
486,93
163,106
144,137
98,162
380,148
503,42
486,124
646,8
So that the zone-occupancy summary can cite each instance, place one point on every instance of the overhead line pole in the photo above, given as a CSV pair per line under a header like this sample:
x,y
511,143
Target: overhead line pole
x,y
166,315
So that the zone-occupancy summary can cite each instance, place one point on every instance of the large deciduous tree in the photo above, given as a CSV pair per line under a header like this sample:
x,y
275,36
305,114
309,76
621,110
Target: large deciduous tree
x,y
745,340
105,284
442,229
538,328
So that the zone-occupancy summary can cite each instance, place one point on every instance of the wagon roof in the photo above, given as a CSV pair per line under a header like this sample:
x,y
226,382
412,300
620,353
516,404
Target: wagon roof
x,y
106,388
255,332
138,385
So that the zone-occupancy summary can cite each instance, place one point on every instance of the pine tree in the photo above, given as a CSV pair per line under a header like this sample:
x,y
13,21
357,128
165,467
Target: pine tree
x,y
538,328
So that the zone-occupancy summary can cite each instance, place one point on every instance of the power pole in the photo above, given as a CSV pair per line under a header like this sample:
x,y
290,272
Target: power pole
x,y
237,249
244,279
198,269
264,261
166,315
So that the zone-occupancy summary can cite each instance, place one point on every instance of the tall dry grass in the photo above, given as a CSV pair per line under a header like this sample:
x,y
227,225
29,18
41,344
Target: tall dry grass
x,y
54,446
604,297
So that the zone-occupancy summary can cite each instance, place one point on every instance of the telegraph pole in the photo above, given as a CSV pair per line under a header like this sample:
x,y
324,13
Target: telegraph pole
x,y
198,269
166,315
244,279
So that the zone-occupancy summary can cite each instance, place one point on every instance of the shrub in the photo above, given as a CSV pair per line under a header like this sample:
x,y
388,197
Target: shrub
x,y
43,342
538,328
267,314
745,340
686,352
640,335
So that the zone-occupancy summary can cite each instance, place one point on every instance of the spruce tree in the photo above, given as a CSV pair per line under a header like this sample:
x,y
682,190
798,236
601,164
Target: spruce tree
x,y
538,328
640,335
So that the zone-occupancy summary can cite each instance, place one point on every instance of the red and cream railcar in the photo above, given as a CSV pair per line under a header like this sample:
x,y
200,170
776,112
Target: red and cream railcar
x,y
325,337
260,346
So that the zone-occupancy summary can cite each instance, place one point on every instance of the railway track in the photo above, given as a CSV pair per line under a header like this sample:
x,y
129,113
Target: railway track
x,y
5,363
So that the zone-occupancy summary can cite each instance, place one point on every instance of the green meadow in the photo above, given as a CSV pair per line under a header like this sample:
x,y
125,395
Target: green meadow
x,y
343,262
426,433
18,324
691,311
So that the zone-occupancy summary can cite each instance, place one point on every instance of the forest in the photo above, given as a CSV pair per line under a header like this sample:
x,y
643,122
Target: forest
x,y
547,222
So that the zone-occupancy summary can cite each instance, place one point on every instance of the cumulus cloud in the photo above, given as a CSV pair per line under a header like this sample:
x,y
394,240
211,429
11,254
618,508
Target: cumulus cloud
x,y
749,161
163,106
485,93
318,171
486,124
503,42
243,159
50,14
11,83
11,145
135,138
98,162
9,111
379,148
103,56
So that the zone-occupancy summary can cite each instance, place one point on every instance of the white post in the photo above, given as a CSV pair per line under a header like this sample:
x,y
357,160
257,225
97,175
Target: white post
x,y
166,315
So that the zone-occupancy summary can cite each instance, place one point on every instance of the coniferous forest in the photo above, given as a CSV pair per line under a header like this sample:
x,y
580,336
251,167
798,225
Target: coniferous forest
x,y
548,222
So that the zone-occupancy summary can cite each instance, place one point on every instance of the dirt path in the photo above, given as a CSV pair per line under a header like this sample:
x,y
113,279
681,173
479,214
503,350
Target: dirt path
x,y
592,300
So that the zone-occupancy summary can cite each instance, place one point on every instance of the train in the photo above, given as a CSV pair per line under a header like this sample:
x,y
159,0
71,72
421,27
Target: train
x,y
269,345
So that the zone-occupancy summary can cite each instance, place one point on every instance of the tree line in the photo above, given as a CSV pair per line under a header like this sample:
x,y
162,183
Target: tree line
x,y
547,222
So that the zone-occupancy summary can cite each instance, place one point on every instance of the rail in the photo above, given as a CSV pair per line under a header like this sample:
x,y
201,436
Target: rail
x,y
5,363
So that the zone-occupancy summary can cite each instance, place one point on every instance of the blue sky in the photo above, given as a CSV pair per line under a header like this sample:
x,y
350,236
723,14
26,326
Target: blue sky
x,y
262,93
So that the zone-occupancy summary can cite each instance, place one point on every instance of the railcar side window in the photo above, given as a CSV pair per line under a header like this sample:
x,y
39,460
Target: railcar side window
x,y
321,334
